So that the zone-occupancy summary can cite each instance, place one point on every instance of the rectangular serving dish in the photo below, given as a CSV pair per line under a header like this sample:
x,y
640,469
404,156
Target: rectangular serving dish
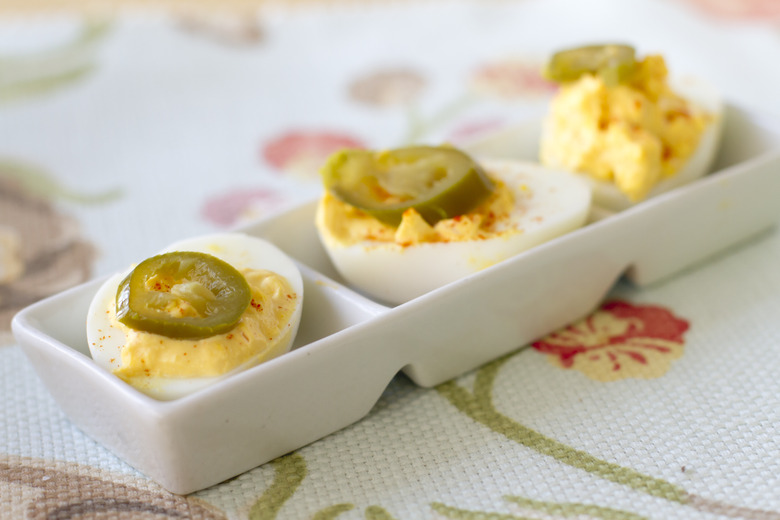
x,y
349,347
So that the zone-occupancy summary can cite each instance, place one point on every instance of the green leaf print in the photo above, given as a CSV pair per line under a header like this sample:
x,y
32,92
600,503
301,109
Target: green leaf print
x,y
575,509
559,510
36,181
378,513
464,514
371,513
41,85
48,70
290,471
329,513
419,127
479,406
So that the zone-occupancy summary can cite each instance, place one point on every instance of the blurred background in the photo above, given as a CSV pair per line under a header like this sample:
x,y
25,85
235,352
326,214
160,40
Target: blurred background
x,y
127,125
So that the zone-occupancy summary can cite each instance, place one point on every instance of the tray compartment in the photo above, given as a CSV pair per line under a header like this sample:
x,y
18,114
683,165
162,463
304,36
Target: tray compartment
x,y
212,435
349,347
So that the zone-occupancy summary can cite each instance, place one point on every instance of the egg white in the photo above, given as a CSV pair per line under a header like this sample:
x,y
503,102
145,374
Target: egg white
x,y
703,96
239,250
394,274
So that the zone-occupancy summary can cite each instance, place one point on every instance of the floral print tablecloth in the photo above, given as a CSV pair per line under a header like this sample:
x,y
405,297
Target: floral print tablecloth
x,y
121,134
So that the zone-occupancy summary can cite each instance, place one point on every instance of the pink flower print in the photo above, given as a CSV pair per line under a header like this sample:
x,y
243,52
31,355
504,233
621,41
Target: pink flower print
x,y
302,153
618,341
241,205
388,87
472,130
767,10
511,79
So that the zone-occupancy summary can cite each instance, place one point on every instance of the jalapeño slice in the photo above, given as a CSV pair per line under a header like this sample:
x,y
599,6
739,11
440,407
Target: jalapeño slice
x,y
183,294
614,63
439,182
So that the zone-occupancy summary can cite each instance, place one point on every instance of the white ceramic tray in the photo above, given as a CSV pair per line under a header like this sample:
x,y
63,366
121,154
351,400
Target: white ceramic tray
x,y
349,347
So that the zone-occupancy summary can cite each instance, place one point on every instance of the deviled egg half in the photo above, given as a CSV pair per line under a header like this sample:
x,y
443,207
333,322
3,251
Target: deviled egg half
x,y
202,309
620,122
400,223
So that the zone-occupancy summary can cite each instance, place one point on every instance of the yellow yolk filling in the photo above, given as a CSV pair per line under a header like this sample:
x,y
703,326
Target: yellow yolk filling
x,y
632,134
348,225
257,336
